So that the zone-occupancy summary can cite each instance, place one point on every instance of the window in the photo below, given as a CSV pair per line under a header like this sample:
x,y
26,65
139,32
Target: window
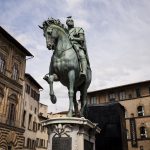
x,y
41,143
130,96
15,72
138,93
42,128
2,64
37,142
29,122
34,126
140,110
12,109
93,100
35,95
23,118
35,110
28,143
33,144
112,97
11,114
32,93
39,126
143,132
122,95
27,89
1,94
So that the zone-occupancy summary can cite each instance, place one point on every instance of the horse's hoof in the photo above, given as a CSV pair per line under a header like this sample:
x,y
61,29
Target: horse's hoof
x,y
69,114
53,99
45,77
81,115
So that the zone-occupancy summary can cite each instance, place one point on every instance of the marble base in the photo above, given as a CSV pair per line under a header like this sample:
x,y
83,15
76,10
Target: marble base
x,y
70,133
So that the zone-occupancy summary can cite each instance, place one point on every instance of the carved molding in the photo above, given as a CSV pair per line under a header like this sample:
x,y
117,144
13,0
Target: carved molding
x,y
4,49
61,130
8,82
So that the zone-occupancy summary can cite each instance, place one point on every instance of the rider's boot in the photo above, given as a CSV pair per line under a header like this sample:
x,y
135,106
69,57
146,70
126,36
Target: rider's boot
x,y
84,68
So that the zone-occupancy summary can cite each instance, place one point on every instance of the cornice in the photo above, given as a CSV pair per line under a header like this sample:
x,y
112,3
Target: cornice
x,y
2,125
10,83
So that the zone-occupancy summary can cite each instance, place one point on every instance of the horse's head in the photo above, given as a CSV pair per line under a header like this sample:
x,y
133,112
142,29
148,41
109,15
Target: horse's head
x,y
51,32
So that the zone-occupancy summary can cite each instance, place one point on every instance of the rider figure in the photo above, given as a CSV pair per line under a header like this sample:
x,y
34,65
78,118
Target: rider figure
x,y
76,36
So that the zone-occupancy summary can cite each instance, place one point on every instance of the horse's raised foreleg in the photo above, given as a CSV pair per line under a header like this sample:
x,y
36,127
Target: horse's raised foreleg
x,y
71,76
50,79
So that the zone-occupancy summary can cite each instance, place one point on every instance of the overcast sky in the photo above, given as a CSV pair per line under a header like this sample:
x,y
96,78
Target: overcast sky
x,y
117,34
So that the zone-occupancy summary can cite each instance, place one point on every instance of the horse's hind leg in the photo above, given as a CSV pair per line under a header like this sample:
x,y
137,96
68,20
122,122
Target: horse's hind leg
x,y
75,104
83,100
71,76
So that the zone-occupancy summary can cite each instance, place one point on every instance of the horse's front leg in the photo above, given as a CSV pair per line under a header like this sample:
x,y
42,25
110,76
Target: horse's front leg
x,y
71,76
50,79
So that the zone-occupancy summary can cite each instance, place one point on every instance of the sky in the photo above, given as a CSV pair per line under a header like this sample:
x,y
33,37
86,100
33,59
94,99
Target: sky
x,y
117,36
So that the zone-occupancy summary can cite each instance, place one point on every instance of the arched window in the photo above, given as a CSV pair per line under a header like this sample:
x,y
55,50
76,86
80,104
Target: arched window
x,y
140,110
23,118
2,63
15,72
12,109
1,94
143,132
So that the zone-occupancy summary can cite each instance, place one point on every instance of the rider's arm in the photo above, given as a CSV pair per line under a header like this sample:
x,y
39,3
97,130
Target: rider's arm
x,y
80,38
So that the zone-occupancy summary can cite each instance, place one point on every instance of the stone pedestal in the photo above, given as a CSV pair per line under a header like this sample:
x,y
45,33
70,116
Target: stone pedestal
x,y
71,133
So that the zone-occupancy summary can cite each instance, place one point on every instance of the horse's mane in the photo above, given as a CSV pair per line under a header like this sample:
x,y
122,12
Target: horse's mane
x,y
56,22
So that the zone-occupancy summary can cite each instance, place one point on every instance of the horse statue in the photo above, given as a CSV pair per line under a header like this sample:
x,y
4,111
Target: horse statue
x,y
64,66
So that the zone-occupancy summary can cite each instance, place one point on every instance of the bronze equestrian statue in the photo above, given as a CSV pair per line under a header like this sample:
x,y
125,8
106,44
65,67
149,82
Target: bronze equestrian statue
x,y
69,62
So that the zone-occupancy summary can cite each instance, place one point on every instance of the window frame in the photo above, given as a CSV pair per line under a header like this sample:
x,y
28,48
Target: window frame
x,y
143,132
112,97
94,100
11,113
2,63
15,72
122,95
138,92
140,112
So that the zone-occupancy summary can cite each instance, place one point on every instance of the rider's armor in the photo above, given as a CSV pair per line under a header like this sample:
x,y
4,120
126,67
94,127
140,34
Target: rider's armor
x,y
80,48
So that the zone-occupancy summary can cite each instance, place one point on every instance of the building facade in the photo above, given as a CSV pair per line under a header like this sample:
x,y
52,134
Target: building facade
x,y
136,100
12,70
34,112
42,133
